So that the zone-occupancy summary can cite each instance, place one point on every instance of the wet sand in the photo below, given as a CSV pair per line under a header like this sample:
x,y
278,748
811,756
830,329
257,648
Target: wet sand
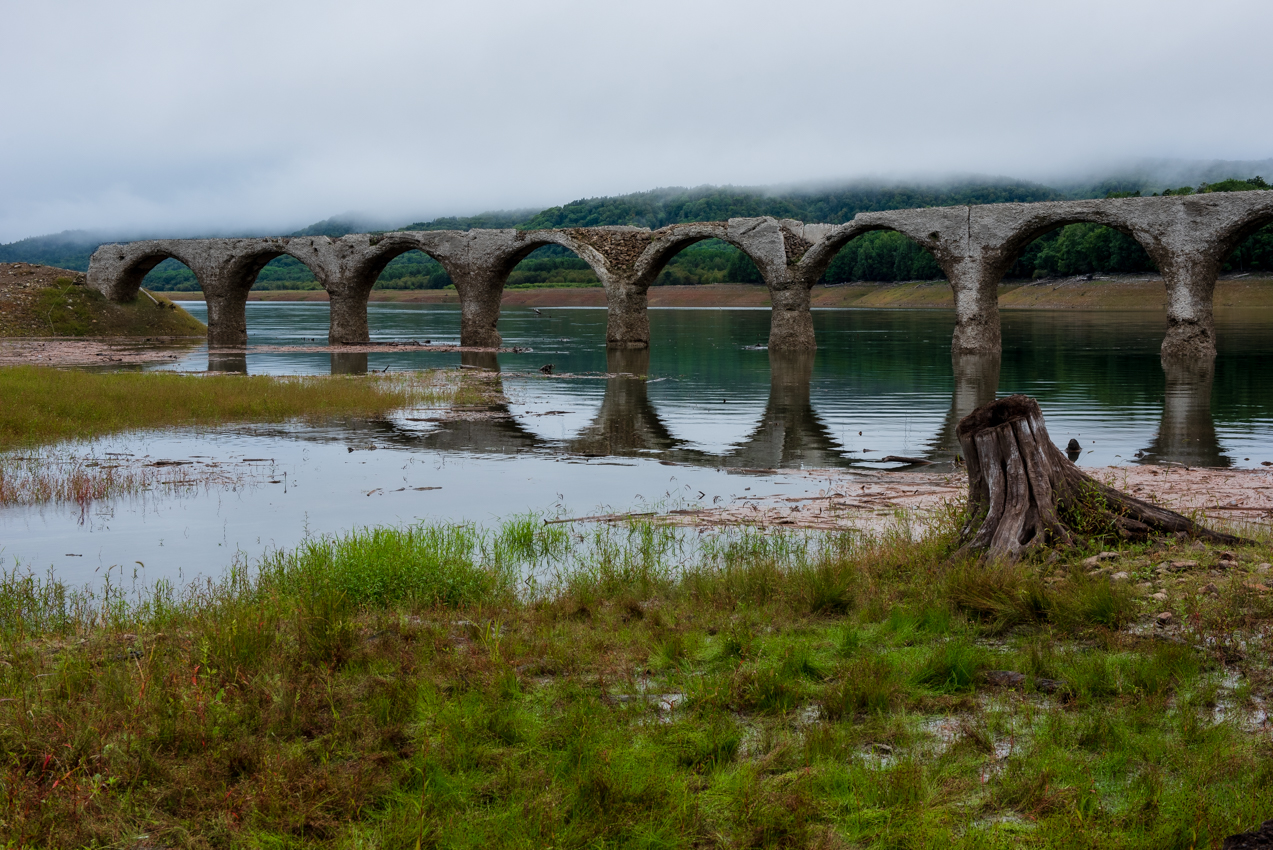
x,y
115,351
60,351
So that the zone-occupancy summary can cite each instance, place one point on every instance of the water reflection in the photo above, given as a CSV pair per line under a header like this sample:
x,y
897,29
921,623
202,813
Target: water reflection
x,y
1187,432
349,363
228,361
880,380
487,361
627,423
790,433
976,382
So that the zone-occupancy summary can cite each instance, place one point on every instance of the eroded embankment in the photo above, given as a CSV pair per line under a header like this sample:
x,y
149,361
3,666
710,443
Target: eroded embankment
x,y
40,301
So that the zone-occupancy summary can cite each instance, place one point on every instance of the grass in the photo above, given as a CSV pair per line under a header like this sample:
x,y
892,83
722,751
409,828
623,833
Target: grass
x,y
71,310
43,405
67,308
60,475
638,686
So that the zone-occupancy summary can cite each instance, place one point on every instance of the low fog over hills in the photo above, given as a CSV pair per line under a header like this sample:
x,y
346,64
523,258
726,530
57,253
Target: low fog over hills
x,y
829,202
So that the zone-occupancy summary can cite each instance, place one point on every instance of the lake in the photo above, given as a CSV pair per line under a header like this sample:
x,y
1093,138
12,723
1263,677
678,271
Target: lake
x,y
713,416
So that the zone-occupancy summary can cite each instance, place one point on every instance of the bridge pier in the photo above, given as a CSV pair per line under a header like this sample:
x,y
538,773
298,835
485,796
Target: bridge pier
x,y
976,288
227,316
791,322
1191,329
627,315
348,323
480,291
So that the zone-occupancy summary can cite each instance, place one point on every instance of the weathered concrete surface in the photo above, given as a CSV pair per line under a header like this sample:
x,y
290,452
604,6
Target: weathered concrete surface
x,y
1188,237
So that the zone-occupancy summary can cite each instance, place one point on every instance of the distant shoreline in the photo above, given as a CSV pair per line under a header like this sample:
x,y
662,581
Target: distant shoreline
x,y
1129,293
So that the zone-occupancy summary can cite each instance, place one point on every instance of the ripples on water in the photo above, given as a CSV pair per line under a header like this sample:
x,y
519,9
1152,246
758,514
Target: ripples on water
x,y
881,383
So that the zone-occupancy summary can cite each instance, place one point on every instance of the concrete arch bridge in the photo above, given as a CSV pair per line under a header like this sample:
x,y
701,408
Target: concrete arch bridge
x,y
1188,237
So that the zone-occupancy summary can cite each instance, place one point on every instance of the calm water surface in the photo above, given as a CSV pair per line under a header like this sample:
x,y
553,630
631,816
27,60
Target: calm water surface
x,y
713,409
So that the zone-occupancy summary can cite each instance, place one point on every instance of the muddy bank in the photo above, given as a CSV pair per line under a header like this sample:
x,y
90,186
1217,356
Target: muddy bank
x,y
874,499
1114,293
114,352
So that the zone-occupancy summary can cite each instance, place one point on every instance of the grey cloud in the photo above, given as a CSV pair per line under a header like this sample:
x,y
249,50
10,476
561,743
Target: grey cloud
x,y
236,115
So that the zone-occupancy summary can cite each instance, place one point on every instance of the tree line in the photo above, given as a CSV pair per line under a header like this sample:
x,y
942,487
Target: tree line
x,y
882,256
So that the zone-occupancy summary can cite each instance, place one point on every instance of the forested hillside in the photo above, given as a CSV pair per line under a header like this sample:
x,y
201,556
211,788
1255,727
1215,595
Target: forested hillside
x,y
880,256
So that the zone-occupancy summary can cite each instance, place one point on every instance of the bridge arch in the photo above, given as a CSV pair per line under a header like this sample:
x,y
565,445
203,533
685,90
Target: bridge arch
x,y
1231,238
226,294
533,240
350,293
366,270
131,265
819,257
925,266
243,267
667,242
759,240
1002,256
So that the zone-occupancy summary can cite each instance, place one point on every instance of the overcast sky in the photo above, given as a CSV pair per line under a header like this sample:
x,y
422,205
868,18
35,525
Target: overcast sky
x,y
222,116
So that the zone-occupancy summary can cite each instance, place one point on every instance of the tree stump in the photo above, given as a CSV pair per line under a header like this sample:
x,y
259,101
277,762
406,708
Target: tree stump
x,y
1025,494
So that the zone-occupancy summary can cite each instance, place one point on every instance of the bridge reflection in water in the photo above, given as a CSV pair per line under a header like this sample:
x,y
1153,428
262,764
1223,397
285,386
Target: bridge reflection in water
x,y
1187,433
789,433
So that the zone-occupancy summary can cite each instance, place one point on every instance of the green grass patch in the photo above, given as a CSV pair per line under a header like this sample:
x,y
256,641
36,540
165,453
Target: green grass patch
x,y
635,686
43,405
64,308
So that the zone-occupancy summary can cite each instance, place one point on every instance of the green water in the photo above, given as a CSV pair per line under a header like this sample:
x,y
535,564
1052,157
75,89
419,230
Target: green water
x,y
881,383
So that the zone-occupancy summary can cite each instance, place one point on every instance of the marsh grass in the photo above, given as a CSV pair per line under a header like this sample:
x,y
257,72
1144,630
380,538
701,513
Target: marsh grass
x,y
61,475
634,686
43,405
47,405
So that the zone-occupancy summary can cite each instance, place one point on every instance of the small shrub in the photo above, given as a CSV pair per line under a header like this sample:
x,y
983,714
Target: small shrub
x,y
1000,595
850,641
766,689
827,587
738,641
704,747
865,686
951,667
1084,602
